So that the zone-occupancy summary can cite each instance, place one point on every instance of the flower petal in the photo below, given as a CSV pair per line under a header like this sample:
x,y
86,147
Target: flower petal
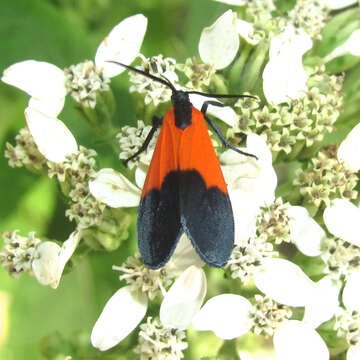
x,y
349,149
227,315
219,43
246,30
53,139
233,2
114,189
43,81
184,299
46,263
67,249
120,316
284,76
285,282
225,113
184,256
245,210
249,175
323,306
342,218
353,353
305,232
296,340
350,294
338,4
122,44
350,47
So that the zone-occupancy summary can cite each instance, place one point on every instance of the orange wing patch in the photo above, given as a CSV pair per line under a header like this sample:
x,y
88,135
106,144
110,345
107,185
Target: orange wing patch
x,y
197,153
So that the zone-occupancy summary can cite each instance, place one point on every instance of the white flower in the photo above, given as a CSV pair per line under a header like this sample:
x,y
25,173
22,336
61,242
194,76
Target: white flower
x,y
114,189
353,353
44,82
338,4
350,47
284,76
183,257
127,306
50,259
121,45
285,282
342,219
184,299
51,136
349,149
325,302
296,340
224,113
219,43
350,294
305,232
251,184
227,315
120,316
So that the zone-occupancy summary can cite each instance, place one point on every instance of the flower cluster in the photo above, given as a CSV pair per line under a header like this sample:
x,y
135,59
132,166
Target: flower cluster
x,y
295,264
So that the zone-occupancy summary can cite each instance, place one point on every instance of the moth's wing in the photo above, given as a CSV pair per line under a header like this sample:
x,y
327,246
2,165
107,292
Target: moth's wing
x,y
205,208
158,223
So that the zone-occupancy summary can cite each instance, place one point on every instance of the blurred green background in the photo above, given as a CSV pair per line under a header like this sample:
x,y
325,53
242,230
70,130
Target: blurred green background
x,y
66,32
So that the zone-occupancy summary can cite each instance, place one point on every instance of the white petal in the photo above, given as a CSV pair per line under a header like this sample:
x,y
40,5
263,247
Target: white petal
x,y
256,145
43,81
338,4
183,257
122,44
140,177
67,249
46,263
283,79
53,139
305,232
353,353
284,76
225,114
350,294
232,2
250,175
342,218
114,189
298,341
245,210
120,316
219,43
285,282
184,299
246,30
50,107
292,43
227,315
351,47
324,304
349,149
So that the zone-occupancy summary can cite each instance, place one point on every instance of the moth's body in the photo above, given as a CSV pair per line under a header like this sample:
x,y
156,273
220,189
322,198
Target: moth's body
x,y
185,191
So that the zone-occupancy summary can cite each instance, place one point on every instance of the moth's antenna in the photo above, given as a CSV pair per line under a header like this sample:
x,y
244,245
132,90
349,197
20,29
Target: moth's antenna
x,y
146,74
222,96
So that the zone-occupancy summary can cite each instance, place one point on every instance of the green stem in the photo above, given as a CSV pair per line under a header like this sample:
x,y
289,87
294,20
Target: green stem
x,y
238,67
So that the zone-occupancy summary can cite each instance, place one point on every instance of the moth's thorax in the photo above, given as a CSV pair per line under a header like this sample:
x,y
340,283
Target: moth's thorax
x,y
182,109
